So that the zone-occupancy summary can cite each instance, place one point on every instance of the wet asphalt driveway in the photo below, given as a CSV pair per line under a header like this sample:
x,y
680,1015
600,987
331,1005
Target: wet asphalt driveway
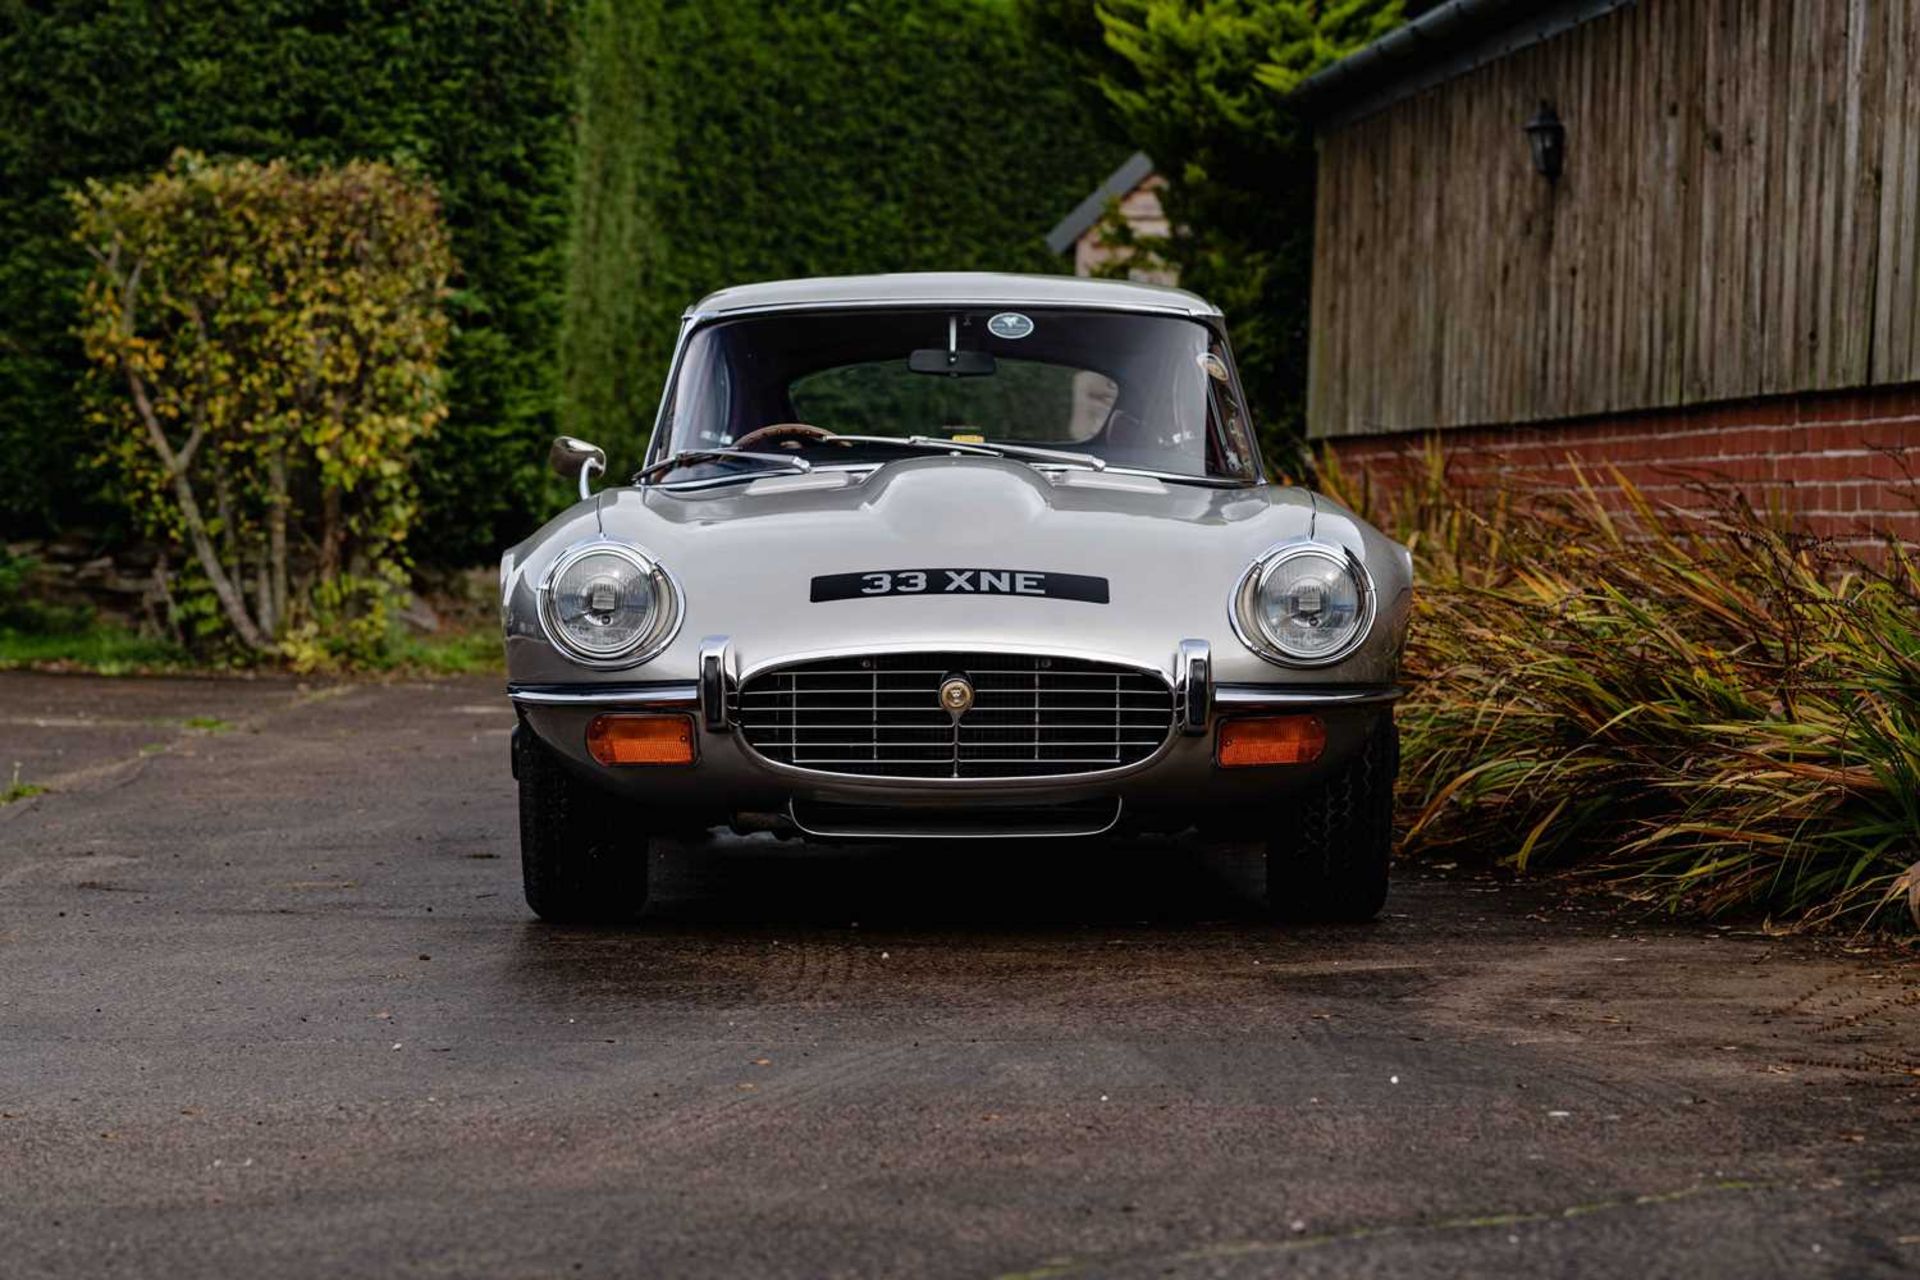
x,y
270,1005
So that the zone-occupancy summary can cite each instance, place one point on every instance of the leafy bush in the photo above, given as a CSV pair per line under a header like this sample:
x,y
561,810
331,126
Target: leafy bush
x,y
267,345
477,92
15,571
1712,710
735,141
22,611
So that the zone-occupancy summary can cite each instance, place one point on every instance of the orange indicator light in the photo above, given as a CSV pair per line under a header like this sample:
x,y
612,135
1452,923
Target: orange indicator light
x,y
1271,740
654,739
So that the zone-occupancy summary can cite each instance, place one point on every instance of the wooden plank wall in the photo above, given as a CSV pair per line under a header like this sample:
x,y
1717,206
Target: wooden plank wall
x,y
1737,217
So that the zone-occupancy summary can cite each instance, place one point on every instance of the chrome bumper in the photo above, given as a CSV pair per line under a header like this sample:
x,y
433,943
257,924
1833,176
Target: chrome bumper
x,y
730,777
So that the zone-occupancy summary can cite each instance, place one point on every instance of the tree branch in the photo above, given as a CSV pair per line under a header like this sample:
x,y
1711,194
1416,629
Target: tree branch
x,y
203,550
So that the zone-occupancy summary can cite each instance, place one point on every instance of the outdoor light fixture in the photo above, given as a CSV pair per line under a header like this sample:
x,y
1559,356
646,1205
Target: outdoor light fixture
x,y
1548,139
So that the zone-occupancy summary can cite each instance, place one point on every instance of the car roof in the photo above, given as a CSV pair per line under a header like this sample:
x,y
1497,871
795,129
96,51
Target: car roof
x,y
952,288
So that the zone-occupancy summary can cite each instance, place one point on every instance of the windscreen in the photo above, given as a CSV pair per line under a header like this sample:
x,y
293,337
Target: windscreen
x,y
1151,393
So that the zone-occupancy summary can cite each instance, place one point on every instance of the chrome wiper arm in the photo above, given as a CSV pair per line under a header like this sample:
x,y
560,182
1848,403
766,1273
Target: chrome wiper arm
x,y
1025,451
995,450
1182,477
686,456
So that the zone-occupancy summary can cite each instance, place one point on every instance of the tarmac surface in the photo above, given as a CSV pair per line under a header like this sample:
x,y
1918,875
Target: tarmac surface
x,y
271,1005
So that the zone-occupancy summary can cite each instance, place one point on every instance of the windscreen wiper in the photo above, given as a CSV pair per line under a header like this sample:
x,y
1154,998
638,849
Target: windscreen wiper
x,y
687,457
995,450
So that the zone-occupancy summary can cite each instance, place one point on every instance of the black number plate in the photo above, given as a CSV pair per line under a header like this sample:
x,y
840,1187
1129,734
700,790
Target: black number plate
x,y
960,582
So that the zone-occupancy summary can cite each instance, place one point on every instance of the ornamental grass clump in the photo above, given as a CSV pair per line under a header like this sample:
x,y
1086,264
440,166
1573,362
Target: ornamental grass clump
x,y
1708,708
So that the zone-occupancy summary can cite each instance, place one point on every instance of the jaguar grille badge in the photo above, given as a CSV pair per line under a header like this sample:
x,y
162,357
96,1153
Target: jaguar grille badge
x,y
956,695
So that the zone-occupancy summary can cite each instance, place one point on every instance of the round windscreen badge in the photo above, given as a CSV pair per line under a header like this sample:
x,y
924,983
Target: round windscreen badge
x,y
1010,324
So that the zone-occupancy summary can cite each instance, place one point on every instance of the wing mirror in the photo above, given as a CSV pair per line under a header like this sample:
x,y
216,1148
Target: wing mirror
x,y
573,458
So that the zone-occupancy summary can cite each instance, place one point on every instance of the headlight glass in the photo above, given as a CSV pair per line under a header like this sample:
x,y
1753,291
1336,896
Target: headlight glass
x,y
1305,604
607,603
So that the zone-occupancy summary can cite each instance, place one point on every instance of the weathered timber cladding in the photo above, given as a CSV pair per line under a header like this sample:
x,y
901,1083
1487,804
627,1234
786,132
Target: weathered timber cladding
x,y
1737,217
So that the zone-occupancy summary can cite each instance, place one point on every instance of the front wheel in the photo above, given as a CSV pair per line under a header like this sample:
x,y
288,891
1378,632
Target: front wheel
x,y
582,858
1332,864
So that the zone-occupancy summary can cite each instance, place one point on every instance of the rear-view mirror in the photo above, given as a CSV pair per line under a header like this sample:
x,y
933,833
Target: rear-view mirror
x,y
954,364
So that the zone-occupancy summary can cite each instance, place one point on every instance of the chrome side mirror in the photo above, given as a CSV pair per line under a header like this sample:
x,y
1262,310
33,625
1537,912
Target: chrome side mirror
x,y
573,458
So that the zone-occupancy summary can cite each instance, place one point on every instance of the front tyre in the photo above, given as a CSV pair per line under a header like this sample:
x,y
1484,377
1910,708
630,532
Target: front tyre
x,y
582,858
1332,865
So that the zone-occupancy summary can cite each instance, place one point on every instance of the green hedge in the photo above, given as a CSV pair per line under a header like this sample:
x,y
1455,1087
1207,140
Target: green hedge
x,y
735,140
717,142
479,91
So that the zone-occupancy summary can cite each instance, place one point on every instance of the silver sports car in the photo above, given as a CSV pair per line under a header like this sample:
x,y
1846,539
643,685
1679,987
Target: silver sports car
x,y
948,557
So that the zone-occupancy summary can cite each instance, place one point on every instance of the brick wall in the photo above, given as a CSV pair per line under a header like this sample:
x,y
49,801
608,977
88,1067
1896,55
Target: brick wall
x,y
1845,464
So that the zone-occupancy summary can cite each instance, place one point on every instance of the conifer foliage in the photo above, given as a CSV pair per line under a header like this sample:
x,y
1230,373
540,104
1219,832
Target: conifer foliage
x,y
1201,86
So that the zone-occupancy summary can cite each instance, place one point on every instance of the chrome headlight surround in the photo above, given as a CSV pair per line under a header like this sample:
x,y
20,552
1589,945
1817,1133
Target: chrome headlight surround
x,y
1246,614
648,644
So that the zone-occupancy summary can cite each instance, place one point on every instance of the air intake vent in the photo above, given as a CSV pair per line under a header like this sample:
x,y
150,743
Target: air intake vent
x,y
1023,717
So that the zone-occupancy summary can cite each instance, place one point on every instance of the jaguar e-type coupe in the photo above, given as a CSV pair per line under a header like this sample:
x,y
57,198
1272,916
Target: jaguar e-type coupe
x,y
952,556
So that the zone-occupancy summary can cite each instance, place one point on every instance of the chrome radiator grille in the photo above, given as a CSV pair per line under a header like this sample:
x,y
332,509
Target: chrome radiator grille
x,y
881,716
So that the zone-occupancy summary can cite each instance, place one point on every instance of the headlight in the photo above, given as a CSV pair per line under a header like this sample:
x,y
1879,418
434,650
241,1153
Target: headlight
x,y
606,604
1304,605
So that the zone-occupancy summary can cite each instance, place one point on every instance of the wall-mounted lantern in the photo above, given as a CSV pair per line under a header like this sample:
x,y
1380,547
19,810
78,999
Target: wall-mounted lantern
x,y
1548,139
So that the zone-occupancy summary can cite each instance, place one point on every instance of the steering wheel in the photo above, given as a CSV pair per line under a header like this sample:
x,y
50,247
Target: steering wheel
x,y
1130,435
774,430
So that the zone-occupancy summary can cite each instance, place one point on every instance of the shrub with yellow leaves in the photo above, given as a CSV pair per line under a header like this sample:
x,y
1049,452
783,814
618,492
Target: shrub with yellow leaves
x,y
267,342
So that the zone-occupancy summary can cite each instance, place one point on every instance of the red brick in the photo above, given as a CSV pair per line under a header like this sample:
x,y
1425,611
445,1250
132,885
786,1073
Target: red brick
x,y
1812,467
1890,466
1749,470
1761,413
1889,434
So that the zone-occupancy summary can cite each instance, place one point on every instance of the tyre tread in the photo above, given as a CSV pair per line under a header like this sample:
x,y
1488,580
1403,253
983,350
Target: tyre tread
x,y
579,862
1335,865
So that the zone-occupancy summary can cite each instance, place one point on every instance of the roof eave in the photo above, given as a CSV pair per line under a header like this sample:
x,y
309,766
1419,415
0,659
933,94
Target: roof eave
x,y
1136,169
1439,45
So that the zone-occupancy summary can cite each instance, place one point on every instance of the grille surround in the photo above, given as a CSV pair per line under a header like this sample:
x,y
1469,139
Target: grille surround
x,y
878,715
